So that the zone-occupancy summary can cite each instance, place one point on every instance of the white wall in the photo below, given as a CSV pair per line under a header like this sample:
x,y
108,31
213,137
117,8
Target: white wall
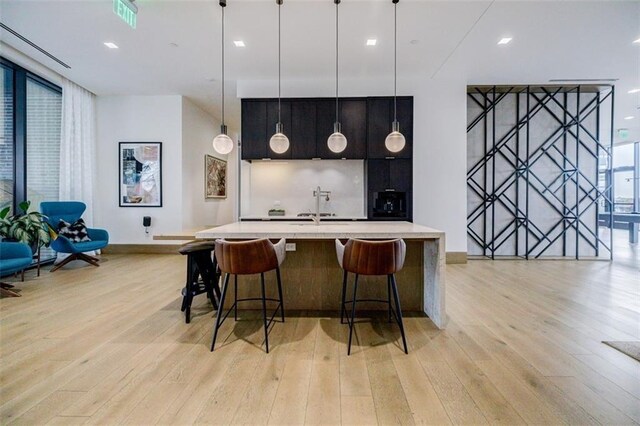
x,y
138,119
198,130
439,159
291,183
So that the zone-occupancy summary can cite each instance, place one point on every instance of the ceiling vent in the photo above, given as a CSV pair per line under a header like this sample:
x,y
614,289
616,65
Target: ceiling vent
x,y
583,80
32,44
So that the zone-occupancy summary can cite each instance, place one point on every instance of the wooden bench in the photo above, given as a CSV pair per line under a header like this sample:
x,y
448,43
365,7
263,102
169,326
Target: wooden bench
x,y
632,219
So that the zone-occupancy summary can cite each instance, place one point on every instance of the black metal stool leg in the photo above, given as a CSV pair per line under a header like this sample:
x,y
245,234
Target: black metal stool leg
x,y
264,312
344,293
398,311
235,298
389,295
219,312
280,293
353,314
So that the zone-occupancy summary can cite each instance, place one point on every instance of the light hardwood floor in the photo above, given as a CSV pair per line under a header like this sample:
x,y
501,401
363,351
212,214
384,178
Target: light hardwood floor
x,y
109,345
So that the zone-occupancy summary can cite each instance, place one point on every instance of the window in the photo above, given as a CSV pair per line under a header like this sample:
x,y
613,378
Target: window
x,y
625,178
7,155
44,117
31,123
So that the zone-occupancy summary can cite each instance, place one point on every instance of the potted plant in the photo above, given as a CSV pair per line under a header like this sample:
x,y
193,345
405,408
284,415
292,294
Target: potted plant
x,y
29,228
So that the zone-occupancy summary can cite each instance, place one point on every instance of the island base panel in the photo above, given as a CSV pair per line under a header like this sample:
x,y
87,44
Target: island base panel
x,y
312,280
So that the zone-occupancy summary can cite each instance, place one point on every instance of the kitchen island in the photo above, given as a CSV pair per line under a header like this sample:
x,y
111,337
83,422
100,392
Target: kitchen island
x,y
311,275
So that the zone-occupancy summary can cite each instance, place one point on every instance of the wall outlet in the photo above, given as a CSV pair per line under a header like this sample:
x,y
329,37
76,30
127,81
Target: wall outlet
x,y
290,247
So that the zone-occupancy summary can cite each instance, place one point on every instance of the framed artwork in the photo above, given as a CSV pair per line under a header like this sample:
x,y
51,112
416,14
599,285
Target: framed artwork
x,y
215,177
140,174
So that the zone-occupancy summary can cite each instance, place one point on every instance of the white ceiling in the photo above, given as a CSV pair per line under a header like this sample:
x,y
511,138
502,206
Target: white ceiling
x,y
551,39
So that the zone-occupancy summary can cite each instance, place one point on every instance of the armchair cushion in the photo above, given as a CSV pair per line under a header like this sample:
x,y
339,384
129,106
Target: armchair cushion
x,y
14,257
76,232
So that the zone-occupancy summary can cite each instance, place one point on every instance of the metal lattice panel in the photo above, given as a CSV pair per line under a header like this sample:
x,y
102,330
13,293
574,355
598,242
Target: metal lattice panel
x,y
539,170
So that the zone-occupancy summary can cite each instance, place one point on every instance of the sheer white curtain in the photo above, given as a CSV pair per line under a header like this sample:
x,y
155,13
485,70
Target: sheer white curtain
x,y
77,146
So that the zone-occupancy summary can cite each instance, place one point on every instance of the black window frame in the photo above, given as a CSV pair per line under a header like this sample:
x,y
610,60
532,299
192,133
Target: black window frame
x,y
20,77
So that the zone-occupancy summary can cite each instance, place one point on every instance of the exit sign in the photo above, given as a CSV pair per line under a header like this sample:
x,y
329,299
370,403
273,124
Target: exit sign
x,y
127,11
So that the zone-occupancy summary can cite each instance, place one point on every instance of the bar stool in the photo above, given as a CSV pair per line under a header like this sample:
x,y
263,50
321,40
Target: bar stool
x,y
247,258
201,275
363,257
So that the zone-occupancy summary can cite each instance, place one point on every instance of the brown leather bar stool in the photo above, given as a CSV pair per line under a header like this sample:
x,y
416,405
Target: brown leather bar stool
x,y
202,276
246,258
362,257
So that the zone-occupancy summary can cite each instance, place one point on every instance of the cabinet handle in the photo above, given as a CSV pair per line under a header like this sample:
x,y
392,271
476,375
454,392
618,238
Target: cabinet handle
x,y
389,158
390,190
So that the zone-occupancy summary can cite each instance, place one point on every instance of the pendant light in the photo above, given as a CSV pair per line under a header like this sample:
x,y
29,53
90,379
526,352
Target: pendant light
x,y
395,140
337,142
222,143
279,142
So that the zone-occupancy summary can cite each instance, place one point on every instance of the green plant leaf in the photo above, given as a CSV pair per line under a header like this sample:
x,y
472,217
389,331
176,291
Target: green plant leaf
x,y
4,212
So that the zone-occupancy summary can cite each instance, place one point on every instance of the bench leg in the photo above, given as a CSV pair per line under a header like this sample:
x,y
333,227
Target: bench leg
x,y
633,232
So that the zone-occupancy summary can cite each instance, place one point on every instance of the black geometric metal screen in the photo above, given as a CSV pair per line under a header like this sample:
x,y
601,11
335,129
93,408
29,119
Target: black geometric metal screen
x,y
539,171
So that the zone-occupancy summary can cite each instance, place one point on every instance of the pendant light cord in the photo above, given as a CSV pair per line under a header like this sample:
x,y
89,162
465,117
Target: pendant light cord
x,y
223,65
395,61
279,61
337,120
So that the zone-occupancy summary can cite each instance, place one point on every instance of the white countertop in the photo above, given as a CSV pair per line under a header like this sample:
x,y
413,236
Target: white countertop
x,y
326,230
296,217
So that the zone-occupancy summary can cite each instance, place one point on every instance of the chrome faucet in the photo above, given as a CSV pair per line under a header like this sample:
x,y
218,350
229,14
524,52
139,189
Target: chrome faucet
x,y
319,193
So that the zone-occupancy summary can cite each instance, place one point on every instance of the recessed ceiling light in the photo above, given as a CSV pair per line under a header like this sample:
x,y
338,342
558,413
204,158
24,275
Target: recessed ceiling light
x,y
111,45
637,41
372,42
629,117
239,43
633,91
505,40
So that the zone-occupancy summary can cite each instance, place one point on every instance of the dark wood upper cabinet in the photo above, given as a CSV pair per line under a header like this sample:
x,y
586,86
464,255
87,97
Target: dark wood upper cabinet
x,y
303,129
352,115
379,121
308,122
272,120
254,129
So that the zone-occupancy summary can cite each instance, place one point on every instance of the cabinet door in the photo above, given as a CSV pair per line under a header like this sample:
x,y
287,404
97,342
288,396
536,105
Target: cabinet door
x,y
272,120
303,130
400,175
353,116
405,118
377,175
325,117
379,117
254,130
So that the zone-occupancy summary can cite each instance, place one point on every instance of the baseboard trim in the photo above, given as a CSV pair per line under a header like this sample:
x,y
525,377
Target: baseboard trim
x,y
456,257
141,249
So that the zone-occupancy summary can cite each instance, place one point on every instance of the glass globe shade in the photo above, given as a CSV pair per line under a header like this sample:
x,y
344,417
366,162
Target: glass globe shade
x,y
279,143
337,142
222,144
395,141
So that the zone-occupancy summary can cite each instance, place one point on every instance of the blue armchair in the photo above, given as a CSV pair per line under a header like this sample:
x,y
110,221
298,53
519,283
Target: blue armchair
x,y
70,211
14,257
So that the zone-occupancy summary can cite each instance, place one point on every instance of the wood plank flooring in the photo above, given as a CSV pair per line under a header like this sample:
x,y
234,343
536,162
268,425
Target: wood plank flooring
x,y
109,345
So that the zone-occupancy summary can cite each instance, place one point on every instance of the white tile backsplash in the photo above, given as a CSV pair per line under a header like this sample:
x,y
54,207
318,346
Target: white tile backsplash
x,y
290,185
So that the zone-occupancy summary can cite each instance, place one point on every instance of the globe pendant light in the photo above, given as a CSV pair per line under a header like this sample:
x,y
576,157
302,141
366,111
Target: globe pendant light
x,y
279,142
395,141
222,143
337,142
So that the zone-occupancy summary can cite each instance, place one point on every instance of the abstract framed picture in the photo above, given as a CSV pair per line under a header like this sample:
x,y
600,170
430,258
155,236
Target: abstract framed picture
x,y
215,177
140,174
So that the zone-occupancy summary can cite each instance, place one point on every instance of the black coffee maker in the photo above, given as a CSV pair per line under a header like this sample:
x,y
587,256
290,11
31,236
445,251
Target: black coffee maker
x,y
390,204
